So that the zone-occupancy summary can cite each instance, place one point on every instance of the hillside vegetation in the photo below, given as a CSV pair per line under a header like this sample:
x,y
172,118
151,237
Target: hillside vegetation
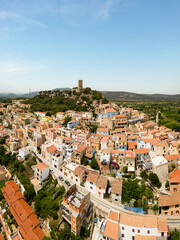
x,y
61,101
128,96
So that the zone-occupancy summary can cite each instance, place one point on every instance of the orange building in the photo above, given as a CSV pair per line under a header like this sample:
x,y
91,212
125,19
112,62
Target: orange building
x,y
74,208
28,223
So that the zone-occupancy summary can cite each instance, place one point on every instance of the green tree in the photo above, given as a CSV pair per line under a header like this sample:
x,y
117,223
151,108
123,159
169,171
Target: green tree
x,y
143,174
29,193
113,175
85,161
125,169
93,128
94,164
175,235
148,193
2,140
54,225
66,120
154,180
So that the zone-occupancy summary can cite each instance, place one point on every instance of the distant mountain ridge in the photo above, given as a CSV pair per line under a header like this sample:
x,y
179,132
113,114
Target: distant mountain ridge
x,y
111,95
26,95
123,96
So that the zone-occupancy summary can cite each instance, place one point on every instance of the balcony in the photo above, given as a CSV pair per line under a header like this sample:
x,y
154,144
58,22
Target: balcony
x,y
66,216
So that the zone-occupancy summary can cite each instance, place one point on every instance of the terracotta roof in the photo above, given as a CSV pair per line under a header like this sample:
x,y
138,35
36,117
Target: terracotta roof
x,y
81,148
92,177
114,216
141,151
175,173
172,157
120,116
23,214
1,237
104,139
79,171
89,155
162,225
51,149
132,145
169,200
102,182
110,110
129,154
116,187
41,166
111,230
138,221
102,129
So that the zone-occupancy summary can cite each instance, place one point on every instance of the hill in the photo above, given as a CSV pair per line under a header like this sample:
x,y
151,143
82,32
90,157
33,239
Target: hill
x,y
25,95
128,96
60,101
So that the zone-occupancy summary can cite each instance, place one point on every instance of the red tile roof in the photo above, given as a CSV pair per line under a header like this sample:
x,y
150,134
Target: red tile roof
x,y
28,223
41,166
141,151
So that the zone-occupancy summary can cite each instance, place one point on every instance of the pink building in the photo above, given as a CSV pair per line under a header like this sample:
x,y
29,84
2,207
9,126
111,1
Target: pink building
x,y
52,133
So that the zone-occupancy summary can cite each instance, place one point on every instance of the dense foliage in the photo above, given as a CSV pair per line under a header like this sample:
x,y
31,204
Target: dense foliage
x,y
175,235
132,189
154,180
16,167
61,101
94,164
45,204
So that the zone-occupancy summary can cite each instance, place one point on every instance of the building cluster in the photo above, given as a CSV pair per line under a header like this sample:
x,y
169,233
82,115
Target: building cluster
x,y
120,139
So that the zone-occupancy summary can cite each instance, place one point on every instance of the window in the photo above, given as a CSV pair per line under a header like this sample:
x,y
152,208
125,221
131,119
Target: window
x,y
162,234
91,188
122,235
176,206
133,238
138,231
122,228
148,232
133,230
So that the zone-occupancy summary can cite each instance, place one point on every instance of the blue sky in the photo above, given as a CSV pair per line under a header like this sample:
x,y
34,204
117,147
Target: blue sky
x,y
125,45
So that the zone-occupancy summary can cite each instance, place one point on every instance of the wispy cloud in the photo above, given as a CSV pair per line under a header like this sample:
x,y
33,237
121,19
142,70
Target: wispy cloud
x,y
72,11
104,10
10,15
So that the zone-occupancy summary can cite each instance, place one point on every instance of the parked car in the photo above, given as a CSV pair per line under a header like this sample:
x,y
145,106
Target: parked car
x,y
67,183
61,178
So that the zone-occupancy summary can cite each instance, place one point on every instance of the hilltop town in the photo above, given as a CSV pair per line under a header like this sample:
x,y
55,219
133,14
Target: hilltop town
x,y
74,165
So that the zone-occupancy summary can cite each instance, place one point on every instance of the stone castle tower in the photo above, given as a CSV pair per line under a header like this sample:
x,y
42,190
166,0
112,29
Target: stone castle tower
x,y
80,85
